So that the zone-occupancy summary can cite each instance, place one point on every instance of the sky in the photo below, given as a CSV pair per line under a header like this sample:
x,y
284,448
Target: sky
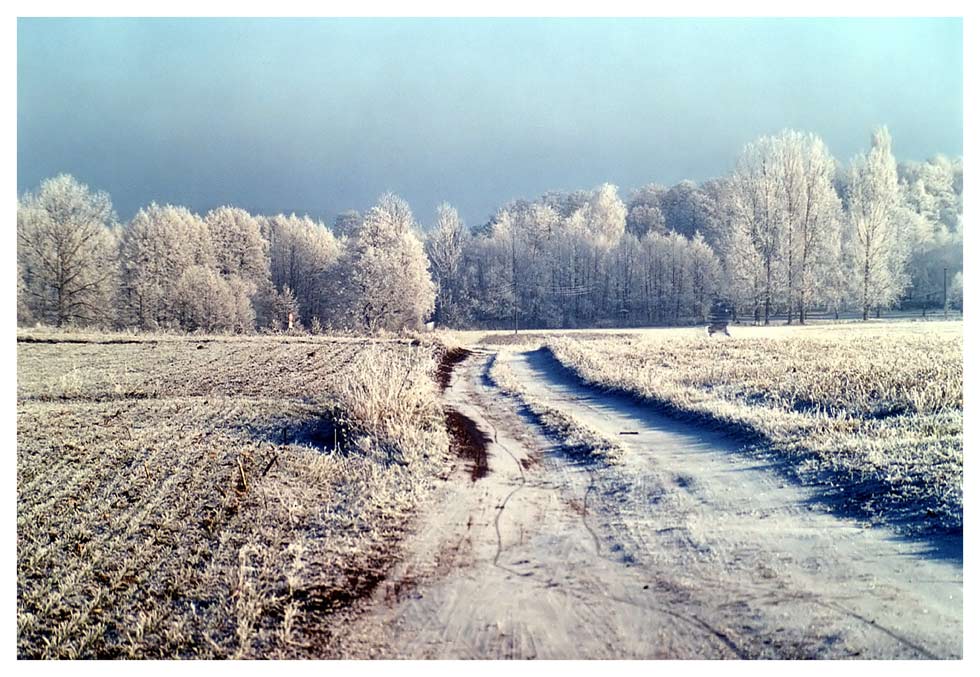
x,y
320,116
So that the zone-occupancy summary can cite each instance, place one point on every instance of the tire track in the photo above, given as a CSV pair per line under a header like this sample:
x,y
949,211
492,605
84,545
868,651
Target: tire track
x,y
503,505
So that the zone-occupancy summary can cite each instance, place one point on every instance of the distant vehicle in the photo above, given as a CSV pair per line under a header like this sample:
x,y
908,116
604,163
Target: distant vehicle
x,y
721,315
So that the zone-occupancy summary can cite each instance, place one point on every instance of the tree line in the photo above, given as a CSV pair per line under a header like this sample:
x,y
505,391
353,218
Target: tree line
x,y
787,232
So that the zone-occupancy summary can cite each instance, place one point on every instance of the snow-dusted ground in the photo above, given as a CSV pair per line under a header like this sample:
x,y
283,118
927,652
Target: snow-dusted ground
x,y
684,549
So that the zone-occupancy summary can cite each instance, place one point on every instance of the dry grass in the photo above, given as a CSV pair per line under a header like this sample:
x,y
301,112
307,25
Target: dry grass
x,y
183,497
875,410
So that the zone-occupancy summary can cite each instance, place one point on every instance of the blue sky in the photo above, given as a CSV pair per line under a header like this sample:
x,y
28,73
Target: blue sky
x,y
319,116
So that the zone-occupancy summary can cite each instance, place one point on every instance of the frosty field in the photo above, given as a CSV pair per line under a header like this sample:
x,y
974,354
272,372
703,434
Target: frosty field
x,y
300,496
189,497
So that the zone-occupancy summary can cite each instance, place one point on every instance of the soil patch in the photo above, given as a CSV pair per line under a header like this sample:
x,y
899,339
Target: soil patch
x,y
447,363
469,442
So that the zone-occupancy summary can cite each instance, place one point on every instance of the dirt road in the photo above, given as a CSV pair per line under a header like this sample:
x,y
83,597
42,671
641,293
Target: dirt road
x,y
684,549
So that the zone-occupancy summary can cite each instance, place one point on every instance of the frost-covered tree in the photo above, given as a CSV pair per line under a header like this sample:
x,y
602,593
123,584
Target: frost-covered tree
x,y
537,227
66,253
756,212
157,246
302,253
507,248
239,247
873,205
490,273
705,274
832,280
606,215
809,208
933,199
445,246
780,200
386,283
209,302
591,232
626,263
242,257
680,280
954,297
934,188
567,260
24,314
713,210
643,211
744,271
565,204
686,208
573,270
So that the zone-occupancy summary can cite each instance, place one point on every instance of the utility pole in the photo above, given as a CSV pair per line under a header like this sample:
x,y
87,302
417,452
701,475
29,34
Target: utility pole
x,y
945,300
